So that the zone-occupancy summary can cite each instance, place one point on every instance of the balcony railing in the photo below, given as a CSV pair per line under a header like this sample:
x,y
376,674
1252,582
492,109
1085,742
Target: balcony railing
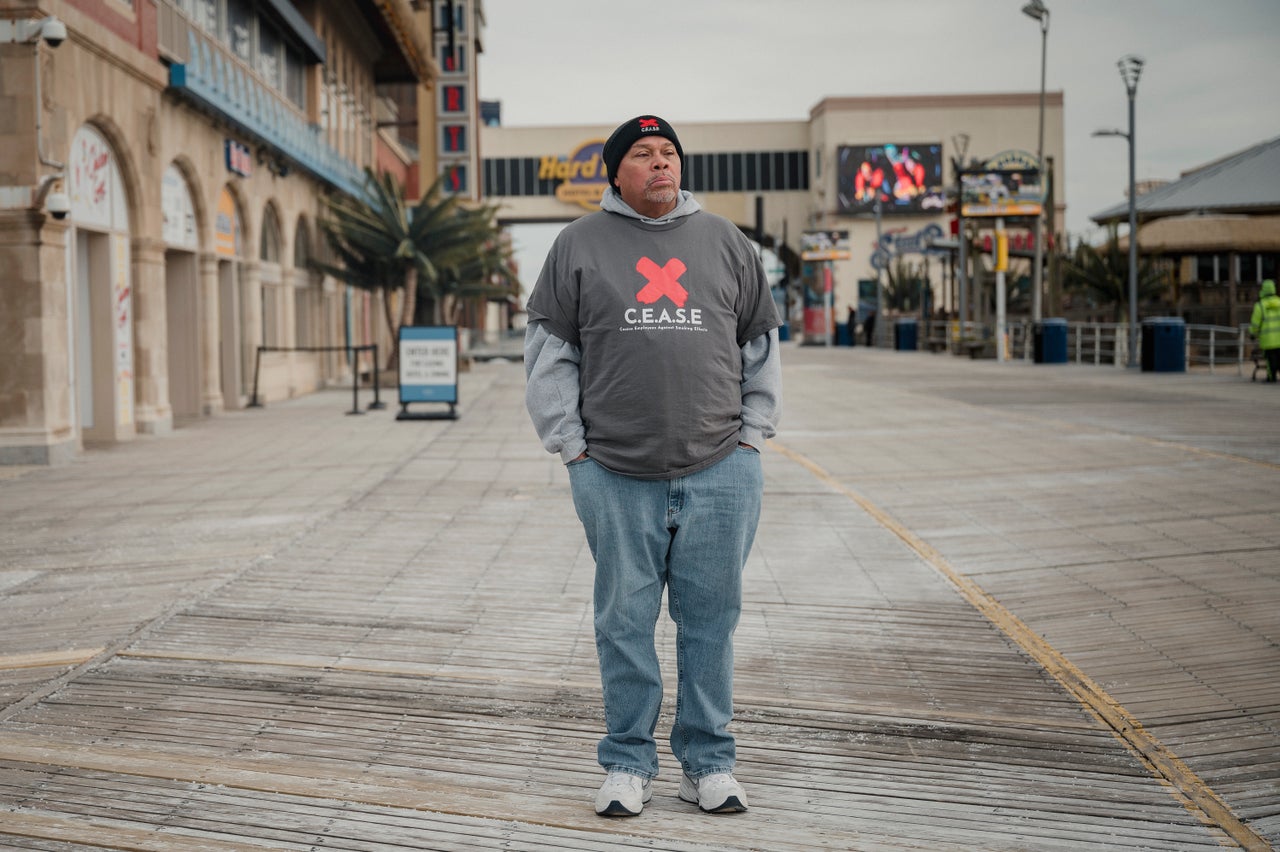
x,y
213,79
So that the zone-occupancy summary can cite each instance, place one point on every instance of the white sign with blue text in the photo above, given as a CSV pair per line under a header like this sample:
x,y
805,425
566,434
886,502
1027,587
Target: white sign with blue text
x,y
428,364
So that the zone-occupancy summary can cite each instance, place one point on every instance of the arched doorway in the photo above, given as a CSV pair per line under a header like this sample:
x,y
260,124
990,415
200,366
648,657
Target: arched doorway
x,y
269,250
228,245
100,319
182,295
309,308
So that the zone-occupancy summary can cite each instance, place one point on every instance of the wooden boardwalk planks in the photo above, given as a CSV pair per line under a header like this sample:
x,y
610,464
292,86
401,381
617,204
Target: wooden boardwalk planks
x,y
412,667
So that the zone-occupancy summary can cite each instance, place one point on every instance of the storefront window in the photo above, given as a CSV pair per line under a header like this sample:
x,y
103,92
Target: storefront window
x,y
306,310
240,29
295,81
1268,263
269,62
1211,268
270,272
459,15
327,105
455,62
1204,267
1248,267
204,14
269,250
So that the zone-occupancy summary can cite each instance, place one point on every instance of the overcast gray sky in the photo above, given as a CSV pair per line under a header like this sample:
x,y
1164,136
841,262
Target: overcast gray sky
x,y
1211,85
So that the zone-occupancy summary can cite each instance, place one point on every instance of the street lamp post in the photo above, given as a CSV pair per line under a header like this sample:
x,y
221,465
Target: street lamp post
x,y
1130,70
1037,10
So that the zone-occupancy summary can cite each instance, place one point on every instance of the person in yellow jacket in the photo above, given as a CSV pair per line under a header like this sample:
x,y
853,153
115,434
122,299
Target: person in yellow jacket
x,y
1265,326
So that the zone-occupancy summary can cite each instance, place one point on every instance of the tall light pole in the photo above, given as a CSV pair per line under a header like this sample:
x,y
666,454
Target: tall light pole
x,y
1036,9
1130,70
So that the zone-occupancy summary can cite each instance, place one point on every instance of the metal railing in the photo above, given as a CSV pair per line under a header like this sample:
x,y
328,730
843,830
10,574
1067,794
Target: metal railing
x,y
1215,347
352,353
1099,343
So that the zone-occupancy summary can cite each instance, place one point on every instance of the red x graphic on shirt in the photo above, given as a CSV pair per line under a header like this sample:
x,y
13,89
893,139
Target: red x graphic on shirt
x,y
663,281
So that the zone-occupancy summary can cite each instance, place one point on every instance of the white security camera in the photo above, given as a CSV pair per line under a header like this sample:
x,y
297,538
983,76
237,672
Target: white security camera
x,y
53,31
58,205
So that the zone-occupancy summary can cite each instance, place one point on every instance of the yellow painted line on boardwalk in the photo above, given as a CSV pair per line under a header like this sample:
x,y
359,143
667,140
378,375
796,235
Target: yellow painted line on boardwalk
x,y
1187,787
48,659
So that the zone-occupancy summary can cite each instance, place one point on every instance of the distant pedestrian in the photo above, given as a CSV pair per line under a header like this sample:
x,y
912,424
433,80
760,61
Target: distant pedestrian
x,y
652,364
852,323
1265,326
869,328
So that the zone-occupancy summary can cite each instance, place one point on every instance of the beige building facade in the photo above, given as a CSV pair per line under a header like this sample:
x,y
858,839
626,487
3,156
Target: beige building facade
x,y
162,176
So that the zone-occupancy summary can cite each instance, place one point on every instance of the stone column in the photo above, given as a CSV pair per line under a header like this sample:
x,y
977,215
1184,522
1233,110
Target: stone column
x,y
250,324
210,335
154,415
35,381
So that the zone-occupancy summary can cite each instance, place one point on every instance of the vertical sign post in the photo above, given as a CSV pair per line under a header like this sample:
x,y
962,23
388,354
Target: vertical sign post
x,y
824,246
1007,185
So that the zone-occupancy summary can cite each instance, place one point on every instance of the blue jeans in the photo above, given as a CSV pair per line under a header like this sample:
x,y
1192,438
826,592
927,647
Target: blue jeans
x,y
692,535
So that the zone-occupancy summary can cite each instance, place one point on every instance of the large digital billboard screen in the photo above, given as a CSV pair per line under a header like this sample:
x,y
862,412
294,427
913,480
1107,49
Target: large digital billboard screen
x,y
906,178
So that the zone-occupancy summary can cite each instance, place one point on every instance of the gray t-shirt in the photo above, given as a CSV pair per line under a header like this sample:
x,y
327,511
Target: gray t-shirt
x,y
660,312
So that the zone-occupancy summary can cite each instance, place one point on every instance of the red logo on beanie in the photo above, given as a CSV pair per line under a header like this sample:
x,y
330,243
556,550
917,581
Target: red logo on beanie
x,y
648,124
663,281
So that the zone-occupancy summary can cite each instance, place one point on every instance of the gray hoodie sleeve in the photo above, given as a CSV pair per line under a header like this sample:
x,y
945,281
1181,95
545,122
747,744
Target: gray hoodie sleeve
x,y
761,389
551,391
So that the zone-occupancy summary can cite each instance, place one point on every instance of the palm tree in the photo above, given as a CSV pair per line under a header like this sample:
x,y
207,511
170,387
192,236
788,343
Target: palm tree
x,y
905,285
376,242
466,258
483,274
425,250
1103,273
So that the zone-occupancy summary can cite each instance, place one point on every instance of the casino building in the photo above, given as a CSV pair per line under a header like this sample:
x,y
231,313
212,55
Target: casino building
x,y
781,180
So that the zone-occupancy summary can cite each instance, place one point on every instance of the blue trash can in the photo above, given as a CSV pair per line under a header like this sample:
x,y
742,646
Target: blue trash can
x,y
1050,342
843,335
784,332
904,334
1164,345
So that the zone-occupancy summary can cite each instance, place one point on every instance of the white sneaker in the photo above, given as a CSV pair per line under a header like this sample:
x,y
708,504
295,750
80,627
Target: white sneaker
x,y
715,794
623,794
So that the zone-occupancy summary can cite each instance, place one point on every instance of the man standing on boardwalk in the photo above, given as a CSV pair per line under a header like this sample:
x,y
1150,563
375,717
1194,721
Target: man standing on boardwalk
x,y
1265,326
653,370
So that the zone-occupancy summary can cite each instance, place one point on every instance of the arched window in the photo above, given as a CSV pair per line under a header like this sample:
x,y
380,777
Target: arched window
x,y
301,245
272,279
270,242
307,295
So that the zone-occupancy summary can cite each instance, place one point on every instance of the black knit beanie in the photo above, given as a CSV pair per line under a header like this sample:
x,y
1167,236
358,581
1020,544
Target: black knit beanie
x,y
628,132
